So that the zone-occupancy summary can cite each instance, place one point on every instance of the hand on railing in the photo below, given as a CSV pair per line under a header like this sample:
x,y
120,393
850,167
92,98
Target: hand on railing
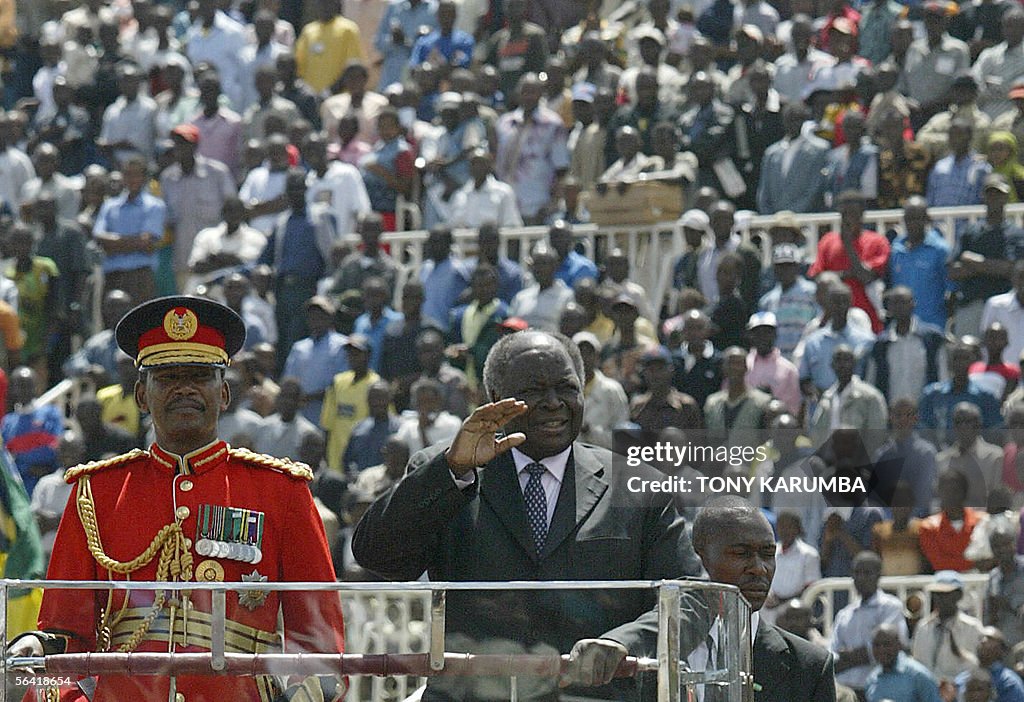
x,y
25,646
592,662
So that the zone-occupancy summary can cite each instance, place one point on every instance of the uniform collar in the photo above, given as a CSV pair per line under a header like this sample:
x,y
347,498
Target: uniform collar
x,y
198,461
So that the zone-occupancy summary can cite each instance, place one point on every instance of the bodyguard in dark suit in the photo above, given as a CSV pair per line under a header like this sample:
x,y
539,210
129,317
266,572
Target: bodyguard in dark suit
x,y
527,503
737,546
793,170
698,365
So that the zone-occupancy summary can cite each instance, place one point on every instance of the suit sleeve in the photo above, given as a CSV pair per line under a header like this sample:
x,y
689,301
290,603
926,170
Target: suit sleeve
x,y
825,690
400,535
640,636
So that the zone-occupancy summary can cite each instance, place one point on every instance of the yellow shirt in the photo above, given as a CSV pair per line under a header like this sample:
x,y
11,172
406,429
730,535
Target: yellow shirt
x,y
344,406
602,327
119,409
8,26
324,48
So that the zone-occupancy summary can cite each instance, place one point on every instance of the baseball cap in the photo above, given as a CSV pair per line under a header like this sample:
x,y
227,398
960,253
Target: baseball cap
x,y
449,100
1017,91
585,337
695,219
321,303
946,581
188,132
658,353
649,32
762,319
995,181
358,341
514,324
624,298
786,253
584,92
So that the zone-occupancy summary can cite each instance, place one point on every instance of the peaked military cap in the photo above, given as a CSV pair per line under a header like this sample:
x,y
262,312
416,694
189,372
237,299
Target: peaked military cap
x,y
181,330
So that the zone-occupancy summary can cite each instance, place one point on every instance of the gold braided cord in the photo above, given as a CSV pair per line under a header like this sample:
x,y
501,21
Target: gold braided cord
x,y
175,563
262,460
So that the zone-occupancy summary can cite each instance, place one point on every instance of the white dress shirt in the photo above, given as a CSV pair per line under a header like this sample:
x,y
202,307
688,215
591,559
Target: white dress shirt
x,y
551,481
699,658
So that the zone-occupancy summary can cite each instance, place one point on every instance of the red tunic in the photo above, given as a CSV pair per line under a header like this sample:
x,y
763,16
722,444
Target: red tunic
x,y
873,250
137,495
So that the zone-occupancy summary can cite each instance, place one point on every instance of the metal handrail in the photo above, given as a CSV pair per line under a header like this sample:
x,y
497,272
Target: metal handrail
x,y
668,664
822,593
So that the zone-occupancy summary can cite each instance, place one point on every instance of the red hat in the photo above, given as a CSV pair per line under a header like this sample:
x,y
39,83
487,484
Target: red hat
x,y
513,324
188,132
180,330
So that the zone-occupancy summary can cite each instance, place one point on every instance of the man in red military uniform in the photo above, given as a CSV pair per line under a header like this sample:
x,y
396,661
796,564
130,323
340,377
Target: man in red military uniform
x,y
191,508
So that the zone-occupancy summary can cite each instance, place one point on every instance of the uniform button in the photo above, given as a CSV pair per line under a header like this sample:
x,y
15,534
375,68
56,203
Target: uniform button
x,y
182,512
186,485
179,697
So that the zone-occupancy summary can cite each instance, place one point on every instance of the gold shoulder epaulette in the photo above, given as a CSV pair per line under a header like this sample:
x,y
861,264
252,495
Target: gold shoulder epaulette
x,y
285,465
73,474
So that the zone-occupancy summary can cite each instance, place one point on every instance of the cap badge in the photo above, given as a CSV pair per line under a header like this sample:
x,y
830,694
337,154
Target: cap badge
x,y
181,323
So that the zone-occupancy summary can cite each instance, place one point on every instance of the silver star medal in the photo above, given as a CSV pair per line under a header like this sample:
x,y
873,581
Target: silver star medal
x,y
252,599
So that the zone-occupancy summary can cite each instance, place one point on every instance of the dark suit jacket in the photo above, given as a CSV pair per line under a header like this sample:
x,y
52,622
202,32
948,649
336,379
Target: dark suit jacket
x,y
787,668
791,669
600,531
702,380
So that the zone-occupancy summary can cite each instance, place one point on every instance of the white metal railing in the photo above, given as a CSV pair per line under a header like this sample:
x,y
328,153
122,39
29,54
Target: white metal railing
x,y
64,395
675,679
654,248
822,593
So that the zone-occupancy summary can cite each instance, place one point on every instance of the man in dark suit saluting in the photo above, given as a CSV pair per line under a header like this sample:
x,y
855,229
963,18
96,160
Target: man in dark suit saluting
x,y
528,503
737,546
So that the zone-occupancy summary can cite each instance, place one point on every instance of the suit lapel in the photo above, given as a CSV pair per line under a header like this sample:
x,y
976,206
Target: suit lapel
x,y
582,486
772,663
499,487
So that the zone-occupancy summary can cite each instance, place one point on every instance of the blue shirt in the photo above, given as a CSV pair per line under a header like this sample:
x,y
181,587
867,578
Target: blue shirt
x,y
1007,684
315,362
410,19
920,269
794,309
912,460
443,283
955,183
457,48
907,681
134,217
574,267
938,400
300,254
816,362
389,319
855,626
32,437
366,444
510,277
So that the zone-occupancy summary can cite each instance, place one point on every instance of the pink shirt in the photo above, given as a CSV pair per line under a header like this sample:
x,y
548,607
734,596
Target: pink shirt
x,y
352,153
220,137
777,375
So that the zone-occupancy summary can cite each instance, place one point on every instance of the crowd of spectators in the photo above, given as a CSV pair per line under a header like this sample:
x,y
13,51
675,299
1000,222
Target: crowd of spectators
x,y
259,151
